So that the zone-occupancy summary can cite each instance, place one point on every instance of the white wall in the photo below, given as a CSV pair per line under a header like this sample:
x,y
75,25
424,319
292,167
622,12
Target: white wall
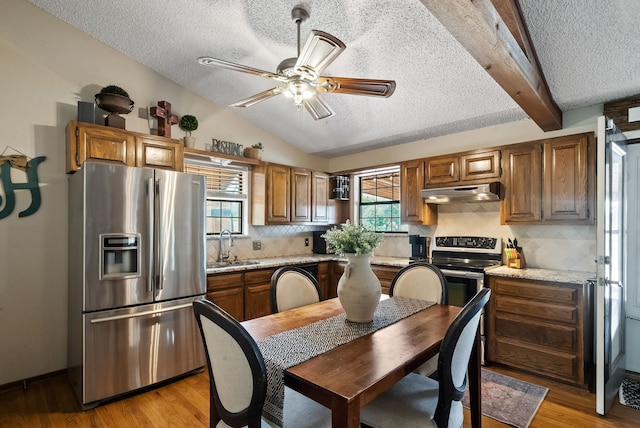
x,y
46,66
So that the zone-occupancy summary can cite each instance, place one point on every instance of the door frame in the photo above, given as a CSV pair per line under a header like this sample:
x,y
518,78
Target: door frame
x,y
610,369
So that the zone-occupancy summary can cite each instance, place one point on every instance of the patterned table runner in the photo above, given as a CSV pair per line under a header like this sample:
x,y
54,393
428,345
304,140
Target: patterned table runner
x,y
286,349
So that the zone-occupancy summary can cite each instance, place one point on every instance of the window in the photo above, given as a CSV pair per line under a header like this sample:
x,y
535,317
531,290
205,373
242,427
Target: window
x,y
226,204
379,199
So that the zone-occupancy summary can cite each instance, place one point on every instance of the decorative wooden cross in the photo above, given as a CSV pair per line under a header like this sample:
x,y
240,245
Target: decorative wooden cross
x,y
165,118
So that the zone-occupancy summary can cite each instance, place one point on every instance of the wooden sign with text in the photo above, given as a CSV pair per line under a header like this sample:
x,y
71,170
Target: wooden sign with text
x,y
226,147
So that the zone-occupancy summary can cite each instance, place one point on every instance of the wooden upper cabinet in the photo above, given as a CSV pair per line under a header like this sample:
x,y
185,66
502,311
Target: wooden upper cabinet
x,y
523,184
300,195
462,168
413,209
159,152
87,141
283,195
565,179
550,181
480,166
411,179
442,170
319,197
278,194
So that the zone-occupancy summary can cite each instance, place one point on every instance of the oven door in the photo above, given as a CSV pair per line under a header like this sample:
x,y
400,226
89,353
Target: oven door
x,y
462,285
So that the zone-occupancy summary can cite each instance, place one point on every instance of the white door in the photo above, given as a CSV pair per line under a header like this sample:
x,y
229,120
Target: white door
x,y
632,307
610,291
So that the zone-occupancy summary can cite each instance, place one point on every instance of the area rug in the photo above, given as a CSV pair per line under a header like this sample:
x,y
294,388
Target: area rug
x,y
629,394
508,400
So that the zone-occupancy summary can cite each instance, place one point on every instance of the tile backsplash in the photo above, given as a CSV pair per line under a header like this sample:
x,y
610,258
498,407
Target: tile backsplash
x,y
551,247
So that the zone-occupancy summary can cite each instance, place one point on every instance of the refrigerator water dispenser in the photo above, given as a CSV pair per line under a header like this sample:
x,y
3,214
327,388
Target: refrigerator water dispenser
x,y
120,256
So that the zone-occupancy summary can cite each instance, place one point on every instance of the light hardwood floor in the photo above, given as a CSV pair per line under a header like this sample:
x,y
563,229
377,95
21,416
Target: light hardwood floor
x,y
185,403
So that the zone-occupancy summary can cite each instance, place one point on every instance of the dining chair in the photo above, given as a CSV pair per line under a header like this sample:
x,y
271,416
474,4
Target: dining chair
x,y
420,280
417,400
423,281
238,377
292,287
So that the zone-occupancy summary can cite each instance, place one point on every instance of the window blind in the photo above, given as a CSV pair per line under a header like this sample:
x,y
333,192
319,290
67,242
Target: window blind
x,y
227,180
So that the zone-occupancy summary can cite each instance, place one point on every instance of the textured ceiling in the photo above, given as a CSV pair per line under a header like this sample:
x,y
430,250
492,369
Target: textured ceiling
x,y
587,49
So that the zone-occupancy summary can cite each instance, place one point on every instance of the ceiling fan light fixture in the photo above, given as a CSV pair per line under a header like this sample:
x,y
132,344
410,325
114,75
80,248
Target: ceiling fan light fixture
x,y
299,91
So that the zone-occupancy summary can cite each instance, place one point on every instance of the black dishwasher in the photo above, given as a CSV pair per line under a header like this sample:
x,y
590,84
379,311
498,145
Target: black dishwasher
x,y
312,268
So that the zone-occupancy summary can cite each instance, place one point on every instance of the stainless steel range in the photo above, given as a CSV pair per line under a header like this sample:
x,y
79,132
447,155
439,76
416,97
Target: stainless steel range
x,y
464,260
466,257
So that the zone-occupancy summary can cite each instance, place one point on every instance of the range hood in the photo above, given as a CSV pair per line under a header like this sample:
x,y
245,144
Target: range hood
x,y
457,194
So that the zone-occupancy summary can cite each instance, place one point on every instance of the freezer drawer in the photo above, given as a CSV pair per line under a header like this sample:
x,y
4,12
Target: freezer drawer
x,y
131,348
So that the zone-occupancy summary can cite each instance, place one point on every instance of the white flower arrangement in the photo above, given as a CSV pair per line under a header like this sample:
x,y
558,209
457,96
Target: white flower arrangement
x,y
352,239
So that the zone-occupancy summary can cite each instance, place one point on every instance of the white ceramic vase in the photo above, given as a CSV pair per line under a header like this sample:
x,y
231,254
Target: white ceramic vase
x,y
359,289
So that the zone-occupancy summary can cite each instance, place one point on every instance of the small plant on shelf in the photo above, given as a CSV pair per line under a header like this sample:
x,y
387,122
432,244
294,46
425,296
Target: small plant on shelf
x,y
254,152
188,123
115,100
114,90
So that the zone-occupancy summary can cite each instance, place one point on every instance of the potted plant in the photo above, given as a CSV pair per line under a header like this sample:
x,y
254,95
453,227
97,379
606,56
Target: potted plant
x,y
358,288
189,123
115,100
254,152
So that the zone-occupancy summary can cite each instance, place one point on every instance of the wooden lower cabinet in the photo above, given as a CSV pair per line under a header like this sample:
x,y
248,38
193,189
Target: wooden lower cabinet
x,y
324,281
384,273
257,293
541,327
246,295
226,291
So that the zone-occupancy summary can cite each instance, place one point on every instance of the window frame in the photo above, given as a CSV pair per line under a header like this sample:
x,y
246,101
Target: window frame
x,y
358,204
214,194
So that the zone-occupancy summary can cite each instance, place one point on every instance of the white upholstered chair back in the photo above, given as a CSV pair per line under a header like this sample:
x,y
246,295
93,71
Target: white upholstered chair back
x,y
420,281
421,401
292,287
237,372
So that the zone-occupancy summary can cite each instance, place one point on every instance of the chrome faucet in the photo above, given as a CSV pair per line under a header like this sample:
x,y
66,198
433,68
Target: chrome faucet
x,y
222,256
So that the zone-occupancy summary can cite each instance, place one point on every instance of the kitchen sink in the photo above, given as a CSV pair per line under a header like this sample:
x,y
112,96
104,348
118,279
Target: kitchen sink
x,y
232,263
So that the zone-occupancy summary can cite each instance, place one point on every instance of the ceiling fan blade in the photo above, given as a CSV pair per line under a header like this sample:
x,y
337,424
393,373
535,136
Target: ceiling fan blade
x,y
255,99
318,52
219,63
347,85
318,108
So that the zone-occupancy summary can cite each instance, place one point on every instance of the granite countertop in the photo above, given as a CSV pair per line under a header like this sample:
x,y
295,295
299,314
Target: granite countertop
x,y
538,274
273,262
302,259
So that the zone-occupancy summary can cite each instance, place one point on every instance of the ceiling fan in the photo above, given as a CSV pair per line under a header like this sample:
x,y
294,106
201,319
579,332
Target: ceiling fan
x,y
301,75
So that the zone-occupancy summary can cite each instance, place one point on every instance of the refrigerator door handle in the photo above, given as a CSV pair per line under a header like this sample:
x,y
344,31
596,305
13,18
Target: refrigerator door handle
x,y
151,191
161,243
140,314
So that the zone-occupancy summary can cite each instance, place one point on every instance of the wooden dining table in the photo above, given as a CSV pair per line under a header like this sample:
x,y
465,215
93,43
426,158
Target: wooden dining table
x,y
349,376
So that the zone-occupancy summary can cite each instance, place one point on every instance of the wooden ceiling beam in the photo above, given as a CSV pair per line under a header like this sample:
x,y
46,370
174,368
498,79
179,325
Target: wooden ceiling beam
x,y
482,31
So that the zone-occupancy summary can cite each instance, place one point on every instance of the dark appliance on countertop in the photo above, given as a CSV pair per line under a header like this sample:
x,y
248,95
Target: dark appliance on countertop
x,y
419,247
463,261
136,264
312,268
320,245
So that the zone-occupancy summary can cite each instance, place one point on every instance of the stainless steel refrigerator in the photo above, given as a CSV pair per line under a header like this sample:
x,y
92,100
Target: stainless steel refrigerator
x,y
136,264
